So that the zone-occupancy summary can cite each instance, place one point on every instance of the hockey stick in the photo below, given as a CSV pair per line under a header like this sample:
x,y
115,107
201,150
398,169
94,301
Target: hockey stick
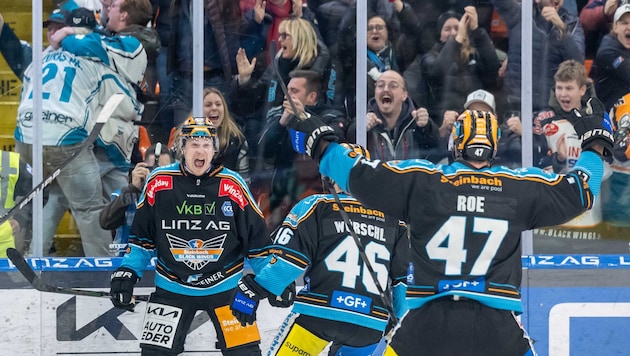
x,y
107,111
386,300
158,152
27,271
275,55
384,296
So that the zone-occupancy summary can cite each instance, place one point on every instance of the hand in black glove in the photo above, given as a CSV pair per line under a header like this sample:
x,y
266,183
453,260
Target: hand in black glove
x,y
284,300
308,134
122,282
247,295
595,127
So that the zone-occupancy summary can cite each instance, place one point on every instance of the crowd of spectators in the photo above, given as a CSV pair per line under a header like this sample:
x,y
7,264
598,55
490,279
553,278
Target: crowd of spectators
x,y
427,61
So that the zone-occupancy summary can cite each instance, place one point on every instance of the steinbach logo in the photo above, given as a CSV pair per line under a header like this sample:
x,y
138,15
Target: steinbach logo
x,y
157,184
228,188
196,253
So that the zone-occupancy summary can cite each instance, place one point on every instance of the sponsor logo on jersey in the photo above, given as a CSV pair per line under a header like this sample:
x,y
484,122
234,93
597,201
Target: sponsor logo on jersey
x,y
228,188
195,209
48,117
226,208
196,253
373,231
476,285
541,116
160,324
198,280
359,210
472,179
157,184
193,224
351,301
551,129
202,196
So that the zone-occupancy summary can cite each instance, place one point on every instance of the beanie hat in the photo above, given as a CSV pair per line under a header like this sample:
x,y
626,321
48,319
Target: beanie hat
x,y
444,17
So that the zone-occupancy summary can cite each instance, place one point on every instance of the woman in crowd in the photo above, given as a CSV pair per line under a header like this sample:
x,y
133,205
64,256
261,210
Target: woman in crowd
x,y
232,143
298,48
462,61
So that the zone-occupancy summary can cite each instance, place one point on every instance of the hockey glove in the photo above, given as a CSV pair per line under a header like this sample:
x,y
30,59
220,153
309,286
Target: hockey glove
x,y
284,300
594,126
308,134
247,295
122,282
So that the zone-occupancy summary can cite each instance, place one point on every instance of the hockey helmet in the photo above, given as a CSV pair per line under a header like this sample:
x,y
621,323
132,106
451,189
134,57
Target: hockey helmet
x,y
195,127
476,136
357,149
621,114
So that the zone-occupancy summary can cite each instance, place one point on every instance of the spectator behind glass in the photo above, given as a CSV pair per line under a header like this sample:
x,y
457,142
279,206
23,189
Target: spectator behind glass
x,y
233,147
222,25
294,175
162,24
555,134
382,56
463,60
612,64
298,48
118,214
261,23
396,129
596,19
557,36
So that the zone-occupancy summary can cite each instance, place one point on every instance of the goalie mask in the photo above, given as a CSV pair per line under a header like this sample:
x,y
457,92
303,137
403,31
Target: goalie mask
x,y
198,127
476,136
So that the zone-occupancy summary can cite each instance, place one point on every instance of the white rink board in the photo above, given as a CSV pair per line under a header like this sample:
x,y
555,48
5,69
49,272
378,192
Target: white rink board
x,y
30,326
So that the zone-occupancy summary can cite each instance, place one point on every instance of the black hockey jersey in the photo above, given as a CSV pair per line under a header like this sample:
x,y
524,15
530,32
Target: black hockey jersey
x,y
314,240
200,229
465,223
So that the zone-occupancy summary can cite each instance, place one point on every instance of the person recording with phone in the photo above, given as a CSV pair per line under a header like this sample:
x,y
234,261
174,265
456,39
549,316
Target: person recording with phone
x,y
119,213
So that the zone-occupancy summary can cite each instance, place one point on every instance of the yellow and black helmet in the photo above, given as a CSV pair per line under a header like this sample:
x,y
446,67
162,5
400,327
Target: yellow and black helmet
x,y
357,149
198,127
476,136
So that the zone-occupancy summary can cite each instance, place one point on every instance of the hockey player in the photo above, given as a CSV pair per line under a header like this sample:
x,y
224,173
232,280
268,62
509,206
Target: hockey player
x,y
465,221
340,303
200,221
74,89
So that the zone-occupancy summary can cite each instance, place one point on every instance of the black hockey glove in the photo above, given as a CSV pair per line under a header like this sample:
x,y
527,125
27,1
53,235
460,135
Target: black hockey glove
x,y
122,282
284,300
247,295
308,133
594,126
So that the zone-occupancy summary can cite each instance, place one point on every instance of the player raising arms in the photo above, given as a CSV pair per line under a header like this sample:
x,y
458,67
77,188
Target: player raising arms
x,y
340,304
465,222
